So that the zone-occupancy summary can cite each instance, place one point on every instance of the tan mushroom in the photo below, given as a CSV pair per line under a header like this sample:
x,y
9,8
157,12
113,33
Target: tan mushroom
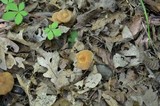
x,y
6,82
84,59
62,16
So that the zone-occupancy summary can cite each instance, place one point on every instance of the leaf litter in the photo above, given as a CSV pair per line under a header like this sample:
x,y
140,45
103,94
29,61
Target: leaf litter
x,y
125,66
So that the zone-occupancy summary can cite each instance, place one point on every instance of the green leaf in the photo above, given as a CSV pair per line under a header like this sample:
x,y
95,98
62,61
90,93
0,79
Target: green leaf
x,y
4,1
50,35
10,1
73,36
50,26
12,6
21,6
24,13
9,15
18,19
54,25
46,30
57,32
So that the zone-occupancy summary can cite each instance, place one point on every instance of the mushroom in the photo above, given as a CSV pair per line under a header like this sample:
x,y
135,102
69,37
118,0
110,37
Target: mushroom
x,y
6,82
62,16
84,59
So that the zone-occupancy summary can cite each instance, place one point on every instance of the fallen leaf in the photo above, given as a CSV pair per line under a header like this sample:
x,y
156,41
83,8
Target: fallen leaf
x,y
42,97
150,97
83,19
81,3
120,61
64,29
100,23
50,61
109,100
135,26
92,80
19,38
64,78
107,5
126,33
2,59
20,61
10,61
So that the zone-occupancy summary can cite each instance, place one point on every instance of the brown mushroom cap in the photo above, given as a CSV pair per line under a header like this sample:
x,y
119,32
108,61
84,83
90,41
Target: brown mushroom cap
x,y
6,82
62,16
54,17
84,59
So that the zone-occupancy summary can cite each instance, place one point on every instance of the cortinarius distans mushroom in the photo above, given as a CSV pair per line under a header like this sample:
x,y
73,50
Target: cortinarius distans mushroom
x,y
84,59
62,16
6,82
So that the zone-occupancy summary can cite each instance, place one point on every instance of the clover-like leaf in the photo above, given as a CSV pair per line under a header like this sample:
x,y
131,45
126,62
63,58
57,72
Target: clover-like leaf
x,y
9,15
18,19
54,25
50,35
10,1
46,30
52,31
12,6
24,13
5,1
21,6
57,32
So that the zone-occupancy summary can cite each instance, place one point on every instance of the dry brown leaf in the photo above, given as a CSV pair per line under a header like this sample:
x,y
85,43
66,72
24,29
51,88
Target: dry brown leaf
x,y
109,100
85,18
135,26
50,61
64,78
90,82
150,97
100,23
19,38
151,62
20,61
126,34
101,53
2,59
117,16
10,61
155,6
107,4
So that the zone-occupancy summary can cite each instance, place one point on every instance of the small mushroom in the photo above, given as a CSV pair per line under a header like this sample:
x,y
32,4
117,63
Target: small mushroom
x,y
62,16
6,82
84,59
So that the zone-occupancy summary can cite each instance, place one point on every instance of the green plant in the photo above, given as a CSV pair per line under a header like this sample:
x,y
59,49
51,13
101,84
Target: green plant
x,y
147,20
52,31
14,12
7,2
73,36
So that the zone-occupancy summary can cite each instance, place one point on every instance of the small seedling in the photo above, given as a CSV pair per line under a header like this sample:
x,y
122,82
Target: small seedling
x,y
73,36
52,31
15,12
